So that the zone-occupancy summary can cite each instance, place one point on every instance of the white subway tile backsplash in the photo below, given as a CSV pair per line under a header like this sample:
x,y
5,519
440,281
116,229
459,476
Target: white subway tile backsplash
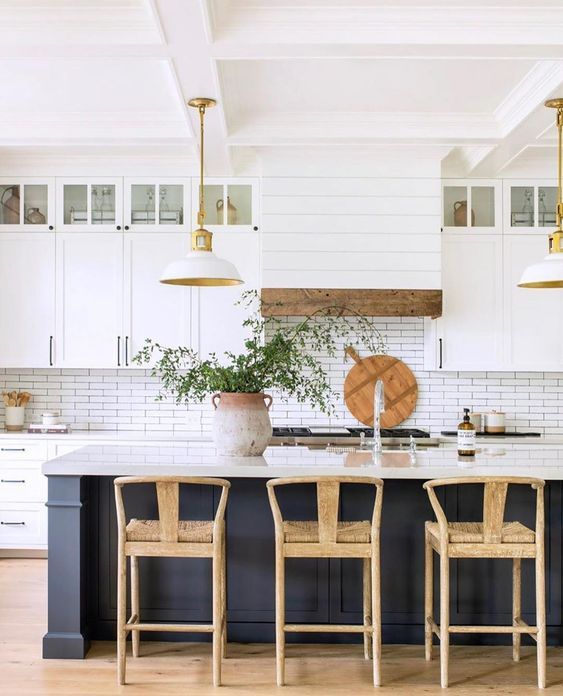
x,y
116,400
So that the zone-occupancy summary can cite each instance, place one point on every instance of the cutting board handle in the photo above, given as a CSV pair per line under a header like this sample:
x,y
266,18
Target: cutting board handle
x,y
353,353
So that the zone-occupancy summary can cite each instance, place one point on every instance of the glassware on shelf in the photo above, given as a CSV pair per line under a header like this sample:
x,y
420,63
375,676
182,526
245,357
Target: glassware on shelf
x,y
149,205
10,205
163,201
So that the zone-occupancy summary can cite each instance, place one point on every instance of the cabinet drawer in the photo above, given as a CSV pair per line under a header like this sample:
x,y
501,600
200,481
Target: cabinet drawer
x,y
15,450
22,484
23,525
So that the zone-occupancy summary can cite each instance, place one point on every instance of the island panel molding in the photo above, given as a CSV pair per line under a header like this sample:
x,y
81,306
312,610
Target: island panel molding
x,y
372,303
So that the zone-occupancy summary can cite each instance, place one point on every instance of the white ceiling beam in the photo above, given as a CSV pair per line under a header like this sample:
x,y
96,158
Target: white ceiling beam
x,y
186,31
229,49
94,51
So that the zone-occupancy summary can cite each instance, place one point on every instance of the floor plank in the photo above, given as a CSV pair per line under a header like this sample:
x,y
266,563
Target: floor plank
x,y
169,669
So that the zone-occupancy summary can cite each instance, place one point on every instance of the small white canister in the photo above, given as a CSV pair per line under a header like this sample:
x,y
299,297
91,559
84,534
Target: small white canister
x,y
50,417
495,422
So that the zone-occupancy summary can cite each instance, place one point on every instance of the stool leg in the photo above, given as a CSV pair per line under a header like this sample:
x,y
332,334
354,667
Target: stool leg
x,y
121,614
540,618
135,604
367,607
444,618
217,616
280,615
224,599
516,605
428,597
376,614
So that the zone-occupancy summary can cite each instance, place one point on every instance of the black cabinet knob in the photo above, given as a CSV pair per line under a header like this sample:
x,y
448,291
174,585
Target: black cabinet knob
x,y
126,227
255,228
119,227
51,227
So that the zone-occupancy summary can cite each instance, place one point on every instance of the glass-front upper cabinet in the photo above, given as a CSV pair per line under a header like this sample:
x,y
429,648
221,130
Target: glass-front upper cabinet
x,y
93,204
156,205
472,203
27,204
229,203
530,205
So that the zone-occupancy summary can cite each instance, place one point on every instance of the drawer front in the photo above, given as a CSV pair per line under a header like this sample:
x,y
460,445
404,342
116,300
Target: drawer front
x,y
23,526
22,484
14,450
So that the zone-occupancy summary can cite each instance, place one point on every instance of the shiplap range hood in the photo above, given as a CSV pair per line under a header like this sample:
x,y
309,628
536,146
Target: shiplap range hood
x,y
367,302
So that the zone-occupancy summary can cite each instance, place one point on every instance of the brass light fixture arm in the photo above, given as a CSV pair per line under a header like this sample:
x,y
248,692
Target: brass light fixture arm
x,y
201,211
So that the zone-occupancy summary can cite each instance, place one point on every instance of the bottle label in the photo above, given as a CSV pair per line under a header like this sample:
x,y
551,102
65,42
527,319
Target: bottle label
x,y
466,439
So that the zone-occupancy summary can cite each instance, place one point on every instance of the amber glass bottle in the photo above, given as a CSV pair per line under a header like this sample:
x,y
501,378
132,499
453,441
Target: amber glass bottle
x,y
466,436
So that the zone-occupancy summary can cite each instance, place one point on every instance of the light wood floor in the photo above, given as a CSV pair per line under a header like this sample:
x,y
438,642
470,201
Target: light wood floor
x,y
176,668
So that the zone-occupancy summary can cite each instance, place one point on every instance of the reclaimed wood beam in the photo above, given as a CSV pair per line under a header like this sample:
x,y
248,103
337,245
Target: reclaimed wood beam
x,y
372,303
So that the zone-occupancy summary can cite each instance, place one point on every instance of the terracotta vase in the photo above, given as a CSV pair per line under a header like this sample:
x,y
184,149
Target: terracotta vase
x,y
460,214
231,212
242,426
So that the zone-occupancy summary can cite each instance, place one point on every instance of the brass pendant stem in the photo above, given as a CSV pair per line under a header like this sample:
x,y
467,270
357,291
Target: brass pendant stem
x,y
201,212
559,211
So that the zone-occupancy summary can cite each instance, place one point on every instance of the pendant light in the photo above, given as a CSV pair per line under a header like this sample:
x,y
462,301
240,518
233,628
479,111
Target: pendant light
x,y
549,272
200,266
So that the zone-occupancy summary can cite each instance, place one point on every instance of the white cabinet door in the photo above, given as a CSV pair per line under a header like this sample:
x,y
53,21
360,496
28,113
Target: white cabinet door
x,y
220,320
27,314
89,300
471,327
534,318
153,310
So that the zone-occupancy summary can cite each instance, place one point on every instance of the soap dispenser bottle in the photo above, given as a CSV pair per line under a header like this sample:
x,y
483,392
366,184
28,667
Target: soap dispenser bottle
x,y
466,436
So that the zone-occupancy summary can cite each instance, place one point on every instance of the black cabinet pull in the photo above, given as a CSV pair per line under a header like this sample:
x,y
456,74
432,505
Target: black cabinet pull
x,y
126,351
441,353
119,351
126,227
12,449
118,227
255,228
50,351
13,524
51,228
12,480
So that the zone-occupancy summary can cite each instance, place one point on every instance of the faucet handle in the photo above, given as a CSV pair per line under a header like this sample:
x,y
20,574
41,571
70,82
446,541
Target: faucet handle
x,y
412,445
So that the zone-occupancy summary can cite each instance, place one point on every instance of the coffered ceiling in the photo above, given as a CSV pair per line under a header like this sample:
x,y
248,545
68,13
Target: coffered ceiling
x,y
465,79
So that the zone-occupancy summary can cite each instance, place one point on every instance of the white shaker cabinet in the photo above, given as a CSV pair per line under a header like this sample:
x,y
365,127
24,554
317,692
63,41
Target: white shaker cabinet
x,y
470,332
89,300
220,321
27,313
153,310
534,318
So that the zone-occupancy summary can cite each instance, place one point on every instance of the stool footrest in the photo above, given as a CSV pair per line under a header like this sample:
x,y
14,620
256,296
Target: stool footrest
x,y
174,628
326,628
493,629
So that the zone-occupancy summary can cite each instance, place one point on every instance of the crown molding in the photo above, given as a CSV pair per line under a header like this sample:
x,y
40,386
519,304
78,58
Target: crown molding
x,y
534,88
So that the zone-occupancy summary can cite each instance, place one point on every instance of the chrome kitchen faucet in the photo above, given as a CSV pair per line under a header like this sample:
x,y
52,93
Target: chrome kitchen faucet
x,y
378,408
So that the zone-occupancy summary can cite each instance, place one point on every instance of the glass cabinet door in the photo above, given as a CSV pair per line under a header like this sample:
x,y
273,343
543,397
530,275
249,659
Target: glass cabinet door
x,y
531,205
153,206
227,204
93,204
469,205
26,204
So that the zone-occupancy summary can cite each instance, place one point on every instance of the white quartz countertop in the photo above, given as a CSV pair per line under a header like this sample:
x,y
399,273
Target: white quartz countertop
x,y
201,459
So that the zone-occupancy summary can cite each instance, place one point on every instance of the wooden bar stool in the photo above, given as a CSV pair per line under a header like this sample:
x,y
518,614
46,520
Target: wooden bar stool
x,y
492,538
327,537
171,538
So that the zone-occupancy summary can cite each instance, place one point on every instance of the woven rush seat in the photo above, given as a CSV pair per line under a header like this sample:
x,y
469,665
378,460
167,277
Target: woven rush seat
x,y
194,531
308,532
472,533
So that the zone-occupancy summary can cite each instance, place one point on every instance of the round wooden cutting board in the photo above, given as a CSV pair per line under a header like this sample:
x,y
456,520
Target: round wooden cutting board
x,y
401,388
